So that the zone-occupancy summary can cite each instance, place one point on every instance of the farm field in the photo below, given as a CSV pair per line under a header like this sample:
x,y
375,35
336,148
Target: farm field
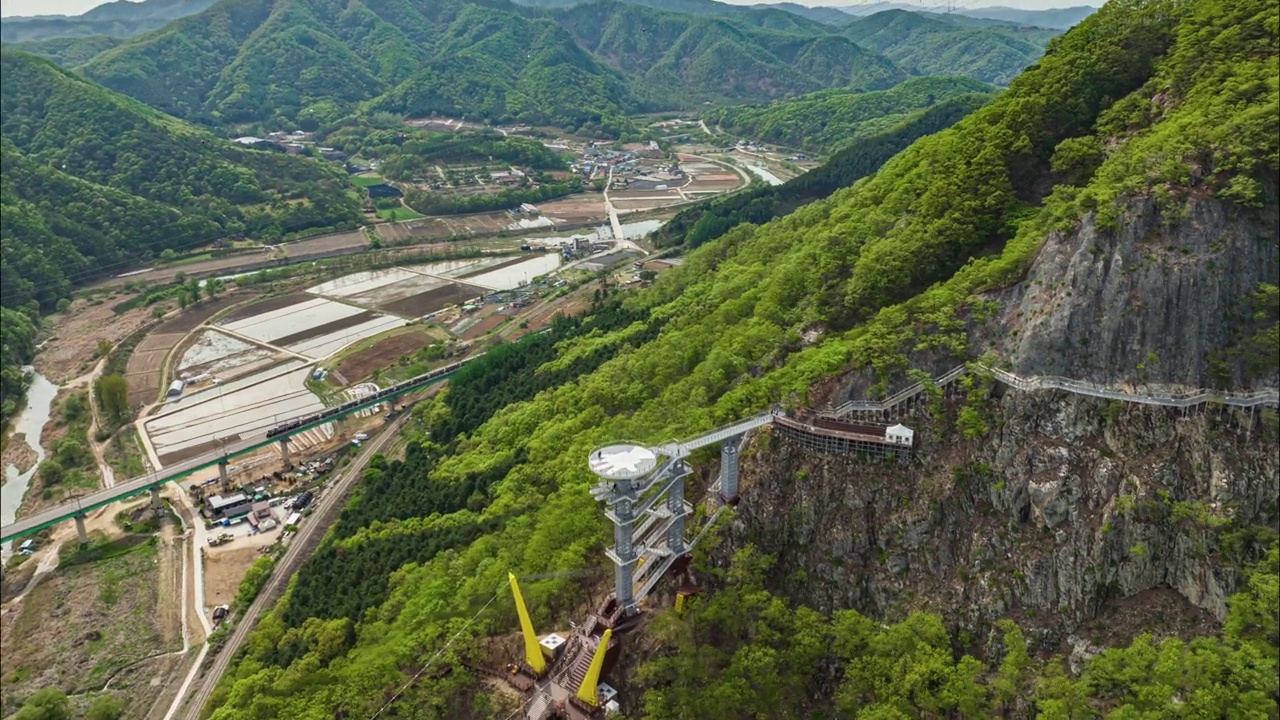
x,y
144,373
509,276
325,345
231,411
382,352
359,282
292,320
434,300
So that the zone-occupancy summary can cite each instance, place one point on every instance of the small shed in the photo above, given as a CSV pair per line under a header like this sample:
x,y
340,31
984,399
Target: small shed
x,y
175,388
900,435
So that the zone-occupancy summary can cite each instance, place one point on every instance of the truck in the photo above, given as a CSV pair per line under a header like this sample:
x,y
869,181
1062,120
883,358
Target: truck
x,y
221,539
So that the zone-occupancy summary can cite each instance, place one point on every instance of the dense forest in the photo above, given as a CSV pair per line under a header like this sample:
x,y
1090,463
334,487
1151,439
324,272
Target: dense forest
x,y
831,119
676,60
94,182
740,651
17,343
885,269
935,44
706,221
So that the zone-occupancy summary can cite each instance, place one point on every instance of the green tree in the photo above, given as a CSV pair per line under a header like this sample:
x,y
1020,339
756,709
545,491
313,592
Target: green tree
x,y
51,472
112,392
105,707
46,704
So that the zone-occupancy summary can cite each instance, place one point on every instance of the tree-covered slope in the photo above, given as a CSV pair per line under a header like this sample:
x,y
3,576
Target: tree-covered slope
x,y
586,67
68,51
830,119
689,59
926,44
1167,99
94,181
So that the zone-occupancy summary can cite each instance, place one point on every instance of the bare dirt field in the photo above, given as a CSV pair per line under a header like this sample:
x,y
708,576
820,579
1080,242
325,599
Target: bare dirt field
x,y
145,372
574,207
382,353
484,326
192,317
224,566
108,619
69,352
433,300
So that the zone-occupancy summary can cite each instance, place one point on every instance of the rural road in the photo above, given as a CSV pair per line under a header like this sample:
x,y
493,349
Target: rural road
x,y
309,533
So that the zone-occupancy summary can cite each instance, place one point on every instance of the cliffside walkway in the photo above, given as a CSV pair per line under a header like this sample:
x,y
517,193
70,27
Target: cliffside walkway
x,y
1031,383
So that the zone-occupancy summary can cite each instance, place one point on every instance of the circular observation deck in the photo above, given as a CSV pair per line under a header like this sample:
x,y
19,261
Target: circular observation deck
x,y
622,462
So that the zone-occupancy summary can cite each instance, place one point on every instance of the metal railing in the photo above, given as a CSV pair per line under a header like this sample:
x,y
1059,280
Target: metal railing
x,y
1031,383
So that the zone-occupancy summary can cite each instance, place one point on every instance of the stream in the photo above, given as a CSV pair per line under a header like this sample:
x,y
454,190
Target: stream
x,y
31,423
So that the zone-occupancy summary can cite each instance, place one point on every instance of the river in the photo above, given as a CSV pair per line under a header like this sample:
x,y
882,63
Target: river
x,y
31,423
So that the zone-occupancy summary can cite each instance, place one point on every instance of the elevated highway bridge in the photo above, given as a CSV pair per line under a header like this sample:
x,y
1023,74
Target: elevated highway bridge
x,y
76,508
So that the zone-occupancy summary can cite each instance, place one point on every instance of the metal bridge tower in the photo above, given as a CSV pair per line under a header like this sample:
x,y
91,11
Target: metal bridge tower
x,y
644,496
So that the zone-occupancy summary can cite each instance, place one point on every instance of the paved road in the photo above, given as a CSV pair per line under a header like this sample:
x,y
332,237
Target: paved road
x,y
312,529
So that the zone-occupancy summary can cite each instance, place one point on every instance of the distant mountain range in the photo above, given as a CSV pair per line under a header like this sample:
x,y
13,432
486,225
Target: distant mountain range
x,y
115,19
583,66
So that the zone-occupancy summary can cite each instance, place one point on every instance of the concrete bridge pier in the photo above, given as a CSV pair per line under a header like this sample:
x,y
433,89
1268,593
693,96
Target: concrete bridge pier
x,y
284,453
339,427
81,531
155,501
223,475
729,470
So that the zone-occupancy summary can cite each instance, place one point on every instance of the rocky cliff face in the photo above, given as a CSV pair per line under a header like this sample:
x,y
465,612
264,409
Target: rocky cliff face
x,y
1155,300
1067,505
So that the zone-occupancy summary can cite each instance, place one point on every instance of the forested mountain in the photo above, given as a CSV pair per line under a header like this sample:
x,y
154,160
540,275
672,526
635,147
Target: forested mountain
x,y
831,119
68,52
931,44
684,59
121,18
1056,18
307,60
1113,201
93,181
788,17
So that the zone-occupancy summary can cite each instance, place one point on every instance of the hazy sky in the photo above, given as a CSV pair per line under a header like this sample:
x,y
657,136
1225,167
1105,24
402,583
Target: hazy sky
x,y
75,7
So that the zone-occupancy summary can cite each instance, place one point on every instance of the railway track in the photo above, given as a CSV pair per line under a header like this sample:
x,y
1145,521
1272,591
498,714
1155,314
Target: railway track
x,y
308,537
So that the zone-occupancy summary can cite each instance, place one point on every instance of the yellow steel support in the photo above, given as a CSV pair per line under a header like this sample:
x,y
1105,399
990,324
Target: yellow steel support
x,y
679,603
532,651
587,692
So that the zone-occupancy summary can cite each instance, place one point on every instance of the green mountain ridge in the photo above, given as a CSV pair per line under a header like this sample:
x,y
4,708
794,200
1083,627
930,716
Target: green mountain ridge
x,y
830,119
94,181
938,45
671,57
253,60
120,19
